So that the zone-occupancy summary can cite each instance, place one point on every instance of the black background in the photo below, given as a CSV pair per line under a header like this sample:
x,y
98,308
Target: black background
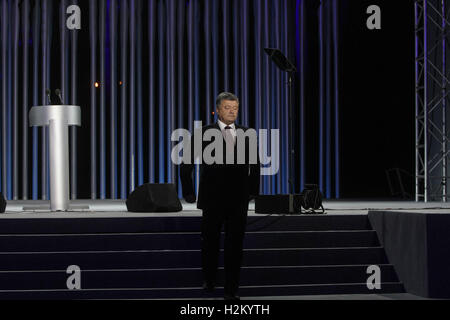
x,y
378,104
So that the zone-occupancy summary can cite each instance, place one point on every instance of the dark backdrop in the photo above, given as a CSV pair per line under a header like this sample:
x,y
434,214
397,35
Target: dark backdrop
x,y
378,103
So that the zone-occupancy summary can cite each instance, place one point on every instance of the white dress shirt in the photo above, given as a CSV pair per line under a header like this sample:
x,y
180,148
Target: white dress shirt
x,y
232,130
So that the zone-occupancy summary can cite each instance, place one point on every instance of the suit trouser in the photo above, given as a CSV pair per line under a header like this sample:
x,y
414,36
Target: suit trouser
x,y
235,221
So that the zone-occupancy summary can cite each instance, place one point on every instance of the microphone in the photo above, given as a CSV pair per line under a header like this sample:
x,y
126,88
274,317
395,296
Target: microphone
x,y
48,92
58,93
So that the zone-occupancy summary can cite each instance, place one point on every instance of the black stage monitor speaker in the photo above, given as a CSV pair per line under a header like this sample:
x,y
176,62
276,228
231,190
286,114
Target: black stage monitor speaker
x,y
278,204
2,203
310,199
154,198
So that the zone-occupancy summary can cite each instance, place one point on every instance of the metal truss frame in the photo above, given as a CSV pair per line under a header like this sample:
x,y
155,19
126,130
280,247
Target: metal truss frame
x,y
432,63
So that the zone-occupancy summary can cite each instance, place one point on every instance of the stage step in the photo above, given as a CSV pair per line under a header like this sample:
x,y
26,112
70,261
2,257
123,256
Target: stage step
x,y
178,223
159,257
183,241
198,293
179,278
187,258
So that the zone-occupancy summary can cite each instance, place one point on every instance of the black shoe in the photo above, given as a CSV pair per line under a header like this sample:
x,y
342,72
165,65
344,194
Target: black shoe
x,y
231,297
208,286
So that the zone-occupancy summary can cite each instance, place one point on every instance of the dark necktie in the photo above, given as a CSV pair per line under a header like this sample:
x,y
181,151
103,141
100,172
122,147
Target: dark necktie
x,y
228,136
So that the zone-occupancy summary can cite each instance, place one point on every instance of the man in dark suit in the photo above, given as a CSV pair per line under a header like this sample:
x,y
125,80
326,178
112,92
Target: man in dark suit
x,y
224,193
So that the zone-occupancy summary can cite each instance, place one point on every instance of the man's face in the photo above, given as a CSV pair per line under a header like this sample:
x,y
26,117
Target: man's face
x,y
228,111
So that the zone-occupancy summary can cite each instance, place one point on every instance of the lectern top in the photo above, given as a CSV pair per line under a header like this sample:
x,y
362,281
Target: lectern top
x,y
41,115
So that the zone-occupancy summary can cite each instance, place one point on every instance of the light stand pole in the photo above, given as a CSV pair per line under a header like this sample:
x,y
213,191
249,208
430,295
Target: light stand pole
x,y
285,65
291,137
310,198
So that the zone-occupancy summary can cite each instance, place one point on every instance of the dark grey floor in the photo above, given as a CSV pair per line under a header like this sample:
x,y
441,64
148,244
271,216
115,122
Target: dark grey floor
x,y
29,209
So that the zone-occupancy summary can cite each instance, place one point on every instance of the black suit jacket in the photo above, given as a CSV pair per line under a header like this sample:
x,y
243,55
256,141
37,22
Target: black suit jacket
x,y
225,186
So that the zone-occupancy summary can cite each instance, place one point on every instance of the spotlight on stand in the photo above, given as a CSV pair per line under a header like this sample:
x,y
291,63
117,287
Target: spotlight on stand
x,y
280,60
311,198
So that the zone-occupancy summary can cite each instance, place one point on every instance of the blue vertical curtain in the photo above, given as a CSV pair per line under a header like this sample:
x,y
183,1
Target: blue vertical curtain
x,y
152,66
28,31
194,50
329,97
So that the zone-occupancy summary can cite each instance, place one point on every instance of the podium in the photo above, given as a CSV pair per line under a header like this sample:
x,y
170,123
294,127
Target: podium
x,y
57,118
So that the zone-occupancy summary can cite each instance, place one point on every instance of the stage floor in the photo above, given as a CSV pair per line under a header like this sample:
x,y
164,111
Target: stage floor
x,y
117,208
